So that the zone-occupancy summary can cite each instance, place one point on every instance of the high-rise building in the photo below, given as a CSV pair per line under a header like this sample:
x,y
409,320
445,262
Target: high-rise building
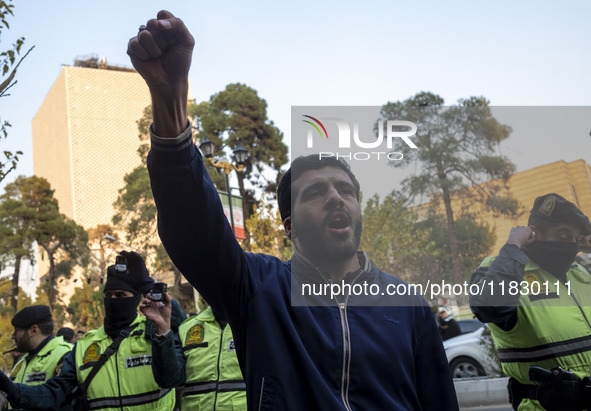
x,y
85,137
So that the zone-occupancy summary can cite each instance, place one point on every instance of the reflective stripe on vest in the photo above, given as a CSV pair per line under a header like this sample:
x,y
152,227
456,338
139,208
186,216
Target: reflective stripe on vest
x,y
545,351
128,400
212,386
213,377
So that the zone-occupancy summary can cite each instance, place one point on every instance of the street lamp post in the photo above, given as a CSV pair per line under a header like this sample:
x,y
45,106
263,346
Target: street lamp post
x,y
142,252
240,155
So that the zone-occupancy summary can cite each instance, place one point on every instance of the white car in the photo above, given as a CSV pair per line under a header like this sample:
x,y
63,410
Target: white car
x,y
468,355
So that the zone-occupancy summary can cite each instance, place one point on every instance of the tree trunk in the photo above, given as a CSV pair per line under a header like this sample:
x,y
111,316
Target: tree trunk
x,y
453,240
15,278
51,291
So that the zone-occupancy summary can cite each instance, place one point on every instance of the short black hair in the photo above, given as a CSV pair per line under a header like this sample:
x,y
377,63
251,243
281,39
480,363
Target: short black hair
x,y
66,332
298,167
46,328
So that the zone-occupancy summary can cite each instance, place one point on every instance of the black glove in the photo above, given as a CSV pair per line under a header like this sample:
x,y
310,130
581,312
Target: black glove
x,y
561,396
13,394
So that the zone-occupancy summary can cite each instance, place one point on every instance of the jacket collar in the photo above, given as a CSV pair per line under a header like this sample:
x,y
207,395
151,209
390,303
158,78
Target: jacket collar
x,y
39,348
307,272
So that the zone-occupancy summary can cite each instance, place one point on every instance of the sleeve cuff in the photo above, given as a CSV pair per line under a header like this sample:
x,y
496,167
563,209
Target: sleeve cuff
x,y
164,336
177,143
515,253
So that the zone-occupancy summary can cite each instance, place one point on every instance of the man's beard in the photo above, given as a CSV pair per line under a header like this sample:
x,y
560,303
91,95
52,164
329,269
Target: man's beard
x,y
24,344
321,251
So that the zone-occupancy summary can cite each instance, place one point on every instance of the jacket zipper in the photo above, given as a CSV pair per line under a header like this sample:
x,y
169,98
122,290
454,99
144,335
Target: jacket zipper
x,y
346,356
346,349
217,383
261,394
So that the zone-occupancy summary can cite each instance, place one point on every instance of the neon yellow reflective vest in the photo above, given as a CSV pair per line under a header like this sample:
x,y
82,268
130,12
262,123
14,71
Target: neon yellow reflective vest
x,y
125,381
44,365
553,326
214,380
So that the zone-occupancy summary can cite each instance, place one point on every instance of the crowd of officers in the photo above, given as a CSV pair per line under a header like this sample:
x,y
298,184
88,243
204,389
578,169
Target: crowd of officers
x,y
163,360
132,363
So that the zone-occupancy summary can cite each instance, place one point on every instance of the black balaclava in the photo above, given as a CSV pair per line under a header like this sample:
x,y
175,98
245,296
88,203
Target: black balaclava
x,y
120,312
556,257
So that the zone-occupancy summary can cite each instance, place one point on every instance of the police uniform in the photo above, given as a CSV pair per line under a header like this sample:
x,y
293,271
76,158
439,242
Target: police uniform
x,y
40,367
125,381
548,323
46,359
213,377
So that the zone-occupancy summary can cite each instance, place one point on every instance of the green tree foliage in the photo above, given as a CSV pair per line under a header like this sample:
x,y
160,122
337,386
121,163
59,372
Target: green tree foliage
x,y
103,254
237,116
455,158
475,242
63,241
9,63
234,116
267,234
6,314
86,308
136,217
391,239
136,211
16,237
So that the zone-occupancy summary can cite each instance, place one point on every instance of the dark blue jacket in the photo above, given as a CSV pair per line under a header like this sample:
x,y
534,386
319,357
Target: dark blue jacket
x,y
386,355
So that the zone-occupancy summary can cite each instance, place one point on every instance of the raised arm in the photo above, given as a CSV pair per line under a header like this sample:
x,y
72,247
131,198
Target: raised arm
x,y
191,221
492,305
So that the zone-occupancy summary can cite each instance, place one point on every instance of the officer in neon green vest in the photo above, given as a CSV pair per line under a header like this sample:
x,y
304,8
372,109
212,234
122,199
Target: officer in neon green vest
x,y
213,377
537,301
125,381
33,334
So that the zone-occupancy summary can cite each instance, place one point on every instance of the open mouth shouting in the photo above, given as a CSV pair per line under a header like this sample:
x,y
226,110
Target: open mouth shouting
x,y
338,222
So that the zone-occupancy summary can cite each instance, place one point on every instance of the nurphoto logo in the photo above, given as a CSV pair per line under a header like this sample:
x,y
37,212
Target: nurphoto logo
x,y
395,129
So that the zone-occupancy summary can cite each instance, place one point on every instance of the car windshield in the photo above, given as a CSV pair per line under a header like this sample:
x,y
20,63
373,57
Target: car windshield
x,y
468,326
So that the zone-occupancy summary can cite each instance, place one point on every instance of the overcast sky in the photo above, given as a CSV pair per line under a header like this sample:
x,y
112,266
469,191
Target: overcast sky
x,y
530,53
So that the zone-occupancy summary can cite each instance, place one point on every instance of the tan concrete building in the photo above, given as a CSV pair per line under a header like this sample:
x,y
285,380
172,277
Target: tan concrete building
x,y
85,138
572,180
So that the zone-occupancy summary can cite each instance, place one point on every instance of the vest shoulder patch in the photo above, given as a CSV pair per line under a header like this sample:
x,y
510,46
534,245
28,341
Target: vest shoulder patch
x,y
93,352
195,334
58,369
14,372
535,284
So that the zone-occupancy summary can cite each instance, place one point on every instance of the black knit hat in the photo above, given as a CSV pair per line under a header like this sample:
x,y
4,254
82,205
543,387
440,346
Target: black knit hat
x,y
35,314
136,279
556,209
